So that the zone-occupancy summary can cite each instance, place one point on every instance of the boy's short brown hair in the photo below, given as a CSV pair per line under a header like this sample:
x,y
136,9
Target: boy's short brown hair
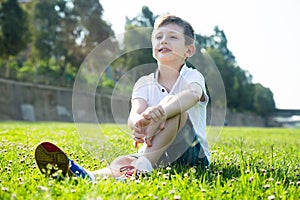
x,y
172,19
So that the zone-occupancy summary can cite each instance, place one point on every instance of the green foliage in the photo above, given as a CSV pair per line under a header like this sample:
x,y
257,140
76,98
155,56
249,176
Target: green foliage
x,y
14,33
238,84
107,82
263,100
47,34
64,33
145,19
137,42
26,73
44,73
240,91
92,26
246,163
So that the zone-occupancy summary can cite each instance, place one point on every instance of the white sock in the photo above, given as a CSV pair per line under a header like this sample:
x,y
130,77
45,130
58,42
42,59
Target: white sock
x,y
142,164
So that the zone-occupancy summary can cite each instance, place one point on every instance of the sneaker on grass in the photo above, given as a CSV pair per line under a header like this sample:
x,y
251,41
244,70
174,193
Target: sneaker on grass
x,y
138,168
51,160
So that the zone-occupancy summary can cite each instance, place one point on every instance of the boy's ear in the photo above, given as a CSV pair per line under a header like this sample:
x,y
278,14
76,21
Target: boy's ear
x,y
190,51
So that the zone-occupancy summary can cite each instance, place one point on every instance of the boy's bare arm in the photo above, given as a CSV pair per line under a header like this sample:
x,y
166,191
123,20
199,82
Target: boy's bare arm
x,y
170,107
138,106
184,100
147,121
176,104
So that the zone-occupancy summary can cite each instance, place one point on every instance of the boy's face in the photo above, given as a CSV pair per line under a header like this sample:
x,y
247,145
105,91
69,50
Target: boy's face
x,y
168,45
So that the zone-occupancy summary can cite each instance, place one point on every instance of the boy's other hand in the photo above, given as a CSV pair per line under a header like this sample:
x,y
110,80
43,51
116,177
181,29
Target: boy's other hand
x,y
156,113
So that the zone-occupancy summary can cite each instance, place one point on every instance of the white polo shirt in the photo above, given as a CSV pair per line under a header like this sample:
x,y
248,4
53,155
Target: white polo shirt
x,y
148,88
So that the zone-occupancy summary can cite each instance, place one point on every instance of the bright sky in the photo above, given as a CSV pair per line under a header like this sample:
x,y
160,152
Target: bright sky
x,y
263,35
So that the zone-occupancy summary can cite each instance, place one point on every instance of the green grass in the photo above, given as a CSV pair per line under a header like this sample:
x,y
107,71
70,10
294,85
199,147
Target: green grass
x,y
247,163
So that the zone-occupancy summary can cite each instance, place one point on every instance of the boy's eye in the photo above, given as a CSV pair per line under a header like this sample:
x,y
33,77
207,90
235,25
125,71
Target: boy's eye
x,y
158,37
173,37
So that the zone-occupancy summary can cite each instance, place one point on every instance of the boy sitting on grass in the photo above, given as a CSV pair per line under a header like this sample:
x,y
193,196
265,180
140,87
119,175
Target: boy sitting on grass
x,y
168,113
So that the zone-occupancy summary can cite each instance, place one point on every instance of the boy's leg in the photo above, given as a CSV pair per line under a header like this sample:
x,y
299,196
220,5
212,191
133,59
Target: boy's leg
x,y
185,139
113,170
160,144
186,149
165,138
51,159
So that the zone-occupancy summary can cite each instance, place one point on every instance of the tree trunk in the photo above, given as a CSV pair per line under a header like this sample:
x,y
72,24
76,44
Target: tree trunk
x,y
62,74
7,67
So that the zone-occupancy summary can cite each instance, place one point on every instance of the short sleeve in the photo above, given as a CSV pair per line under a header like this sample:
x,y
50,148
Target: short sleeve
x,y
194,76
141,87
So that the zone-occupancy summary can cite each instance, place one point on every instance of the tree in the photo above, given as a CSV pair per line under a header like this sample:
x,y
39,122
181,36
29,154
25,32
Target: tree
x,y
14,32
145,19
263,100
242,94
238,82
91,25
137,40
66,31
47,22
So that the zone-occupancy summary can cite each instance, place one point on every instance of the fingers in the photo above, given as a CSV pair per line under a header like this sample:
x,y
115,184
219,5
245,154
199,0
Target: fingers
x,y
137,129
147,116
162,125
138,135
156,114
136,143
139,140
144,122
152,121
148,141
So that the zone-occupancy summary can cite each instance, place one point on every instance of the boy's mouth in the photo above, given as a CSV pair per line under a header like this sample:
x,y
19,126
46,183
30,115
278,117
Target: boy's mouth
x,y
164,50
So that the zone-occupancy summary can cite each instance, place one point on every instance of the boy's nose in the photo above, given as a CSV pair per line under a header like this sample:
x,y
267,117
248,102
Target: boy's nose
x,y
164,40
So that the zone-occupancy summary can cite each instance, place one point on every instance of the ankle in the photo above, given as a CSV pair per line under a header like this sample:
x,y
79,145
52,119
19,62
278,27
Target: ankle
x,y
142,164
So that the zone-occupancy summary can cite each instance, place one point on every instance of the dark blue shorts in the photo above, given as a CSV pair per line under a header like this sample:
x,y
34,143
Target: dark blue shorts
x,y
190,156
185,150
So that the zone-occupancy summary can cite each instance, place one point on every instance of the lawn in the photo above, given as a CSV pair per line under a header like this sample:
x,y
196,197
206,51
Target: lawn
x,y
246,163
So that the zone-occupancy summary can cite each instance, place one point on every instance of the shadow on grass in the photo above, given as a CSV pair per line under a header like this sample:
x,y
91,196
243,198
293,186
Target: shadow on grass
x,y
207,175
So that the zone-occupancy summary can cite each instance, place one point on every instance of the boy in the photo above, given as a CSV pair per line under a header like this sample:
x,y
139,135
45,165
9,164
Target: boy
x,y
168,113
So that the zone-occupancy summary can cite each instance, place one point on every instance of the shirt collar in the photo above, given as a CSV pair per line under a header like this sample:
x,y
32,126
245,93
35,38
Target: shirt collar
x,y
182,69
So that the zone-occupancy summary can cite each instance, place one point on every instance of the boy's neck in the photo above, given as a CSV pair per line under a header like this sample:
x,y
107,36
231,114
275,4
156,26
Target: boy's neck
x,y
167,75
176,67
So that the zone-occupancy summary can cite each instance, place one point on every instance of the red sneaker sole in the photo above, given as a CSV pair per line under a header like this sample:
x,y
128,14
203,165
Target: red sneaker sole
x,y
50,159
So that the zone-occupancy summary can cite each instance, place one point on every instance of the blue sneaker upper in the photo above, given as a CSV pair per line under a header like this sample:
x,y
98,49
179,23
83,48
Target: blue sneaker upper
x,y
79,171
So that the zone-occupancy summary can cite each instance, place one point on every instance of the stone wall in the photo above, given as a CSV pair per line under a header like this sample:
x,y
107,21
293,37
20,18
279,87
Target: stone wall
x,y
32,102
244,119
25,101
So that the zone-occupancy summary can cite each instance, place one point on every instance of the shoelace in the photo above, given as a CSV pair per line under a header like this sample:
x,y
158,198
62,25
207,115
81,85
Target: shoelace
x,y
130,170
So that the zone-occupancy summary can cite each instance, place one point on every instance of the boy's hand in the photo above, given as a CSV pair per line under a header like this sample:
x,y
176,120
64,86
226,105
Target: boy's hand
x,y
156,113
146,134
152,130
157,117
152,121
138,133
